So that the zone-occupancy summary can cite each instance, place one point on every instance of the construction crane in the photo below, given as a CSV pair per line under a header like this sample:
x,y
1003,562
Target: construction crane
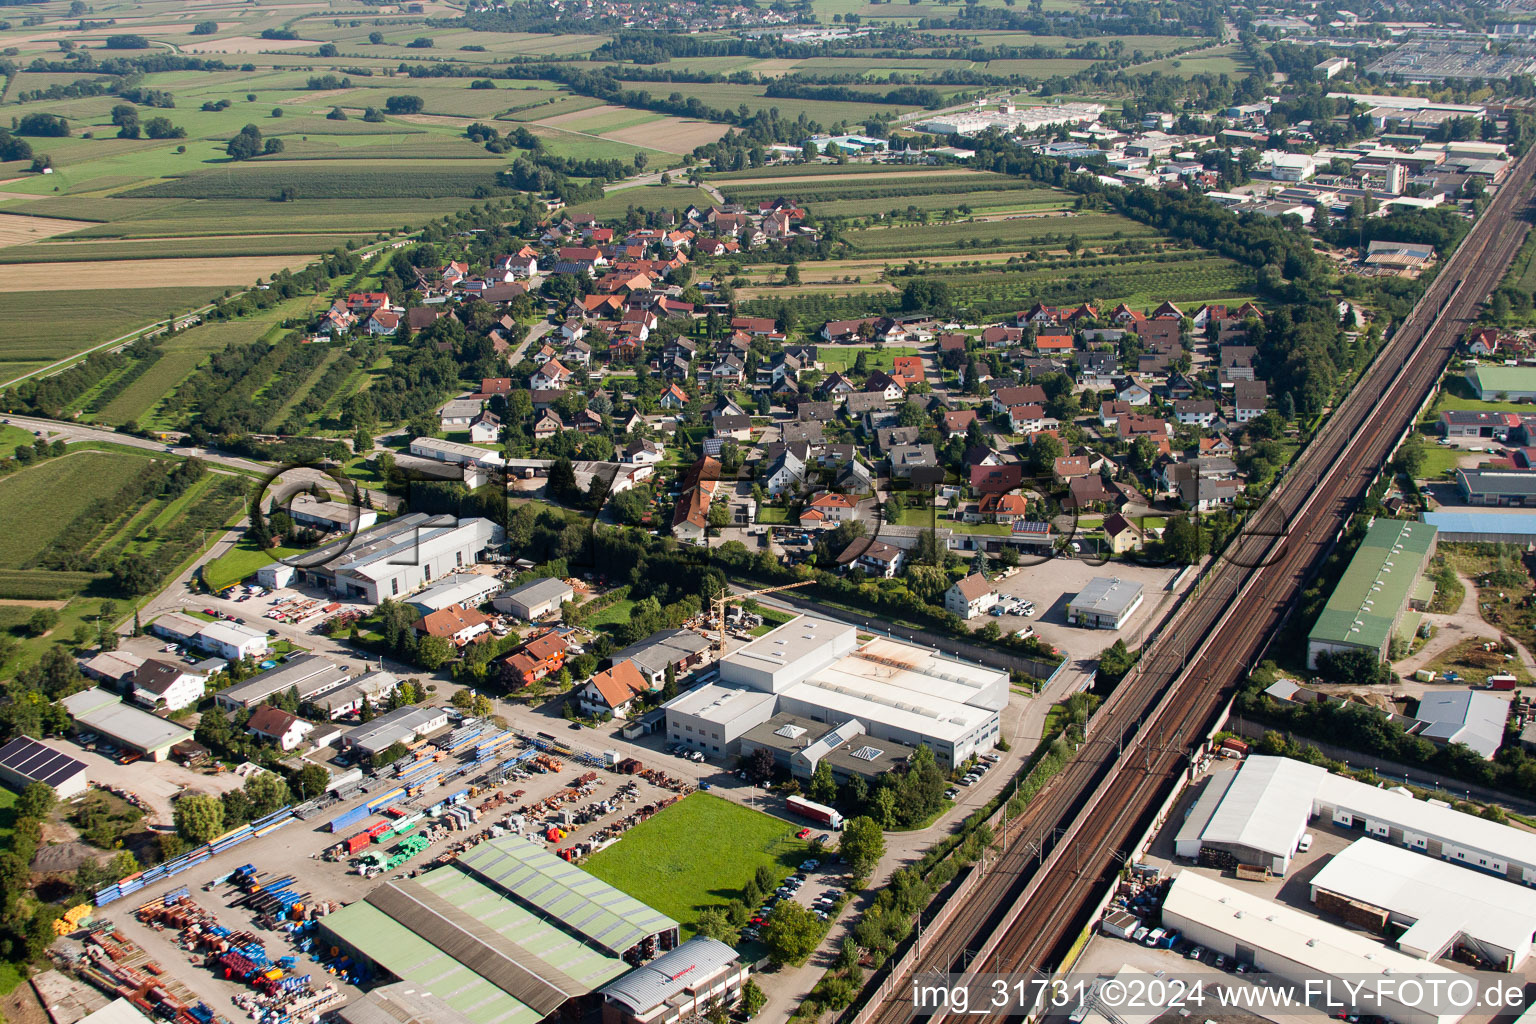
x,y
725,598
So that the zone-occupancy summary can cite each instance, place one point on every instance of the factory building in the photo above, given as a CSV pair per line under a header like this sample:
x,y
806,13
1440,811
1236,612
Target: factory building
x,y
398,557
506,934
814,669
1253,816
798,745
469,589
24,761
403,725
1105,603
308,675
98,711
1269,800
1485,526
1272,938
680,985
1430,906
1371,600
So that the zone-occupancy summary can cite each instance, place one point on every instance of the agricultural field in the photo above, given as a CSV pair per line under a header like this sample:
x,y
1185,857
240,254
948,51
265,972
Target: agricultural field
x,y
662,863
40,327
39,501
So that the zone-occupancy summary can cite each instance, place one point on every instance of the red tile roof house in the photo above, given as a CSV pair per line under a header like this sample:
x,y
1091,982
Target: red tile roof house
x,y
537,659
612,692
997,479
455,623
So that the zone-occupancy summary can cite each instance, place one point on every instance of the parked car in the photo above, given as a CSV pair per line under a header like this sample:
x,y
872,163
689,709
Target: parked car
x,y
1306,842
1195,952
810,865
1140,934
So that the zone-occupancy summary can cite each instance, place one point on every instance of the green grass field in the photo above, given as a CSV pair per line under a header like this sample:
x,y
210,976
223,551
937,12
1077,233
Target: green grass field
x,y
241,561
663,862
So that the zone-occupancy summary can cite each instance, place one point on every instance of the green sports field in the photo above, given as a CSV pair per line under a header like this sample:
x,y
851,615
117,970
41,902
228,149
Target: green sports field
x,y
665,862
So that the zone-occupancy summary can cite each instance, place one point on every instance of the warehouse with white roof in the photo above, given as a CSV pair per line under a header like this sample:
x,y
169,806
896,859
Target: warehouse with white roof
x,y
1254,816
815,669
1259,815
1272,938
1437,906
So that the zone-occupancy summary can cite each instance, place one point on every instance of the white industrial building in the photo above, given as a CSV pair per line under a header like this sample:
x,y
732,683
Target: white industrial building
x,y
1258,814
1008,118
815,669
469,589
1253,816
534,599
229,640
1437,906
1272,938
1105,603
327,515
398,557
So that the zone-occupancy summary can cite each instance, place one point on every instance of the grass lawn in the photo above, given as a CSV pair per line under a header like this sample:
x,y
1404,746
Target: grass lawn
x,y
12,438
663,863
1439,462
771,620
769,514
874,359
615,614
240,561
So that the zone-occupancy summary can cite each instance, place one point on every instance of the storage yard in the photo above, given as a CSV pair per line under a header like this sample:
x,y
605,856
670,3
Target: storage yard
x,y
260,889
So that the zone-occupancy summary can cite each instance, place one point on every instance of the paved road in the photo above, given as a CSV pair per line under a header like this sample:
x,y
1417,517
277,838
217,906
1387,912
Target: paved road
x,y
58,429
654,178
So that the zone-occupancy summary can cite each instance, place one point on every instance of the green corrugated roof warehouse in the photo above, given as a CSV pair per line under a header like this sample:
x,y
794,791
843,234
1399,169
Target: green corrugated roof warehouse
x,y
504,935
1370,598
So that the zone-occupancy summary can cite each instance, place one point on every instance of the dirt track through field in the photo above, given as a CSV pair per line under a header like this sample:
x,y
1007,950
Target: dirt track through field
x,y
172,273
833,179
248,44
18,229
318,94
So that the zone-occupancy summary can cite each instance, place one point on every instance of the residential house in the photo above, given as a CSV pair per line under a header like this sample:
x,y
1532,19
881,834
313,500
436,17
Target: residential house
x,y
957,423
1069,467
1002,508
883,384
907,457
283,728
970,596
384,322
757,326
1134,393
643,453
613,691
1001,336
908,370
165,685
456,623
1004,399
550,376
887,438
485,428
674,397
833,508
836,386
1122,534
784,472
877,558
547,426
539,657
1110,413
737,428
1203,493
1249,399
1027,419
690,515
1197,413
996,478
1086,492
1057,341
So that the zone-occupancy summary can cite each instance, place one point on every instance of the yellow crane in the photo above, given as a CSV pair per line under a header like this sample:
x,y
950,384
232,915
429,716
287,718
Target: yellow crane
x,y
725,597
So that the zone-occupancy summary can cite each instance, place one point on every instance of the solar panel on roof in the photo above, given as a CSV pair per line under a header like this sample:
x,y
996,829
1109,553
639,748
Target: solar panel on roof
x,y
38,762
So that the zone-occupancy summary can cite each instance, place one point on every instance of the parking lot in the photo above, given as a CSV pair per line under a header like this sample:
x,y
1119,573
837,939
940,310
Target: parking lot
x,y
1051,585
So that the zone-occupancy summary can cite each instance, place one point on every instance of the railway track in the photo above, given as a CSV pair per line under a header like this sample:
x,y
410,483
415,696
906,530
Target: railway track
x,y
1072,839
